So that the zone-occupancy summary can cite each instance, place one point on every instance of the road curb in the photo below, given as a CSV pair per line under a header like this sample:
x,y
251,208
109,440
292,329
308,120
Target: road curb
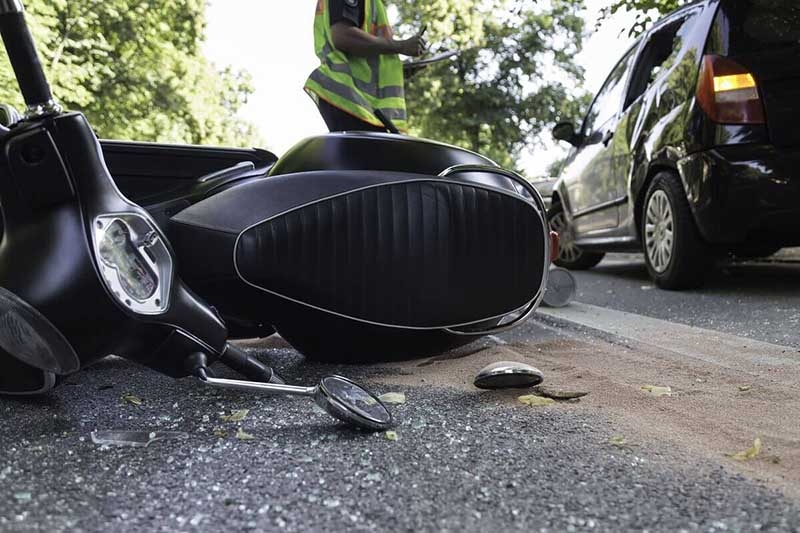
x,y
718,348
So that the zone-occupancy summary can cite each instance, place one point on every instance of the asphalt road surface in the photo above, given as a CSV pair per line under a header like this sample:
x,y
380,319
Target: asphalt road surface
x,y
756,299
464,460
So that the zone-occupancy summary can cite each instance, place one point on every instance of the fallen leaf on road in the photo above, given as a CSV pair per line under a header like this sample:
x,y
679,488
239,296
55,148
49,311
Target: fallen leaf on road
x,y
221,433
243,435
535,401
236,416
391,435
394,398
558,394
656,390
749,453
617,440
745,388
130,398
620,442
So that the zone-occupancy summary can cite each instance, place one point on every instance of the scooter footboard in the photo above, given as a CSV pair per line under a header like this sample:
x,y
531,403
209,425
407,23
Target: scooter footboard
x,y
406,263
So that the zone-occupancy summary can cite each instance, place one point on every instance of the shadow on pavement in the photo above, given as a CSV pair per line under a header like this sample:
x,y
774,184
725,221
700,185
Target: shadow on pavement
x,y
745,277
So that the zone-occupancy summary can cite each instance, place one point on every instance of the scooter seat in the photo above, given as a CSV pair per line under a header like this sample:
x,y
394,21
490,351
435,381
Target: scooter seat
x,y
387,249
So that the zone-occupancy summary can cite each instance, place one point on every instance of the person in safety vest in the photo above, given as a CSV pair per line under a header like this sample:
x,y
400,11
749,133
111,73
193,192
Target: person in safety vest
x,y
360,70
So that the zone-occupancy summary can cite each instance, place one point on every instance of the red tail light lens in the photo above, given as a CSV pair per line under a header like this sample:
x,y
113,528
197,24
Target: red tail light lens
x,y
728,93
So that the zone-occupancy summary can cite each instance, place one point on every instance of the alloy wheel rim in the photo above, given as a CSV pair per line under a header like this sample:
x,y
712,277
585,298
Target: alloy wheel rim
x,y
568,251
659,231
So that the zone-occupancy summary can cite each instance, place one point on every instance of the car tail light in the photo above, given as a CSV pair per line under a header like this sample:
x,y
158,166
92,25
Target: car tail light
x,y
728,93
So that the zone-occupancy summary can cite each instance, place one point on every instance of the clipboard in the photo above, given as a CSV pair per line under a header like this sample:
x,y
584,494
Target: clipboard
x,y
422,63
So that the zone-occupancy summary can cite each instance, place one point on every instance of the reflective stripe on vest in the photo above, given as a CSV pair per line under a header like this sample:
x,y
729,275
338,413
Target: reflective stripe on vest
x,y
358,85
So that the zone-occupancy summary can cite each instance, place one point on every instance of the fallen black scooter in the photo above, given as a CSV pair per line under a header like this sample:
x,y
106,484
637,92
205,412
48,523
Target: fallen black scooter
x,y
353,246
85,272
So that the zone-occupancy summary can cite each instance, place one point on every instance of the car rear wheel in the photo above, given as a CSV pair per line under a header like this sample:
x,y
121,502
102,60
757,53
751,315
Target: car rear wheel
x,y
570,256
675,254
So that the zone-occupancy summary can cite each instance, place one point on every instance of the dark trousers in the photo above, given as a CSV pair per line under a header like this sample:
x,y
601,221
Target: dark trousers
x,y
338,120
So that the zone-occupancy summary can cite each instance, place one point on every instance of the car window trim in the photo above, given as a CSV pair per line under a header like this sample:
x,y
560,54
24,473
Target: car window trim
x,y
629,50
686,12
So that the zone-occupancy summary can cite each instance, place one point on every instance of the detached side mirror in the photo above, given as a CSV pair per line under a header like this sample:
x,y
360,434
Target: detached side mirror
x,y
565,131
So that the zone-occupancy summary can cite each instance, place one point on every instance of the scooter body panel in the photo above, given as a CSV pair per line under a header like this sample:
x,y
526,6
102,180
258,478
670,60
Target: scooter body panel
x,y
53,183
374,151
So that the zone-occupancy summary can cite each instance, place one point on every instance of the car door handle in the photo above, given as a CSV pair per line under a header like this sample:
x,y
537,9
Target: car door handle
x,y
607,138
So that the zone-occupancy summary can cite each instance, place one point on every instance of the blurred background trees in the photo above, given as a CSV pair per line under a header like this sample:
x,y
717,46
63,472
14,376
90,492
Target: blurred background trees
x,y
514,76
646,11
136,69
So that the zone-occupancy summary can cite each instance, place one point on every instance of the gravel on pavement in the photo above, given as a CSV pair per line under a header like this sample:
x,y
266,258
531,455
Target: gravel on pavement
x,y
462,461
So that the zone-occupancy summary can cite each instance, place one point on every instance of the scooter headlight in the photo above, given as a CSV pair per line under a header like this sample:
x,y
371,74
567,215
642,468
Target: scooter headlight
x,y
134,262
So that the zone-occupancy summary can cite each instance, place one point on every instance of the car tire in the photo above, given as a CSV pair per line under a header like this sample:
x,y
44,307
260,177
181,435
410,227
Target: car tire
x,y
569,255
675,254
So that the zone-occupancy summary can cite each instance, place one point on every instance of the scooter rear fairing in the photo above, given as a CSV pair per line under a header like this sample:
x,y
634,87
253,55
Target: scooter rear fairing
x,y
373,151
356,248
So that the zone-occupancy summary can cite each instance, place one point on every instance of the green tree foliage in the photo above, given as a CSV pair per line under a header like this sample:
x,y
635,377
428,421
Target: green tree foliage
x,y
646,12
136,69
514,76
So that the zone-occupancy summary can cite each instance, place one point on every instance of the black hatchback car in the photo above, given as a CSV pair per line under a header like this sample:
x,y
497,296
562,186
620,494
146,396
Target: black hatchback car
x,y
691,149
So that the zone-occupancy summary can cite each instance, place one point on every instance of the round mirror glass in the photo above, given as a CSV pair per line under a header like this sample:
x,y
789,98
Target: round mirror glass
x,y
560,287
352,403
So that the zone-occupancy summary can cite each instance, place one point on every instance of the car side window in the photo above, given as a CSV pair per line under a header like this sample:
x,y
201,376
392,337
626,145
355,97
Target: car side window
x,y
658,55
607,102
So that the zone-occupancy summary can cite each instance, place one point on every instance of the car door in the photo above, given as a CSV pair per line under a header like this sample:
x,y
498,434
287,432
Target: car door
x,y
658,93
588,177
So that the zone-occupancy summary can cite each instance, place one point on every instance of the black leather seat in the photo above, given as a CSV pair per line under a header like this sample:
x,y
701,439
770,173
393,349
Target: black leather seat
x,y
373,250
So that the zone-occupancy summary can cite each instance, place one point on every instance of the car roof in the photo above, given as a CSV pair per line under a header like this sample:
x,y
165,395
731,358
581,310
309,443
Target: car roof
x,y
678,11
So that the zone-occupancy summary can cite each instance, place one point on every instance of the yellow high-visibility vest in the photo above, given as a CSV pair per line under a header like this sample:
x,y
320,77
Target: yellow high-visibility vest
x,y
358,85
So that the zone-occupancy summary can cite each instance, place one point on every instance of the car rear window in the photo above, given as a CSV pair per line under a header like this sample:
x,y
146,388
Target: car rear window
x,y
760,25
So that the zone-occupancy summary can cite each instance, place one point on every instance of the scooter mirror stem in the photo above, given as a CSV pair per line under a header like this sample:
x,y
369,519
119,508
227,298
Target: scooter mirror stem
x,y
338,396
255,386
25,61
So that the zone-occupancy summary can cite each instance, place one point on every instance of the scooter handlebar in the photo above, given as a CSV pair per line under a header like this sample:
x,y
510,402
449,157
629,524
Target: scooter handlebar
x,y
24,59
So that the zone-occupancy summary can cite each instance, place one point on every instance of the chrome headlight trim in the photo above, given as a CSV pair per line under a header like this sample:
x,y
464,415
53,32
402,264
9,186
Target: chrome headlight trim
x,y
147,248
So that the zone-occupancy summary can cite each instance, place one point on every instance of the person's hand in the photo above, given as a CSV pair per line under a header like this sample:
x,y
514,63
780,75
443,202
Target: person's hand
x,y
415,46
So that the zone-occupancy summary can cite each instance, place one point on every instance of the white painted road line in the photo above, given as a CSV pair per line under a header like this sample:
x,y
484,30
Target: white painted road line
x,y
722,349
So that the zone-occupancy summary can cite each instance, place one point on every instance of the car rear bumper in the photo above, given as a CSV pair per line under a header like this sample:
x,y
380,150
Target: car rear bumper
x,y
745,194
